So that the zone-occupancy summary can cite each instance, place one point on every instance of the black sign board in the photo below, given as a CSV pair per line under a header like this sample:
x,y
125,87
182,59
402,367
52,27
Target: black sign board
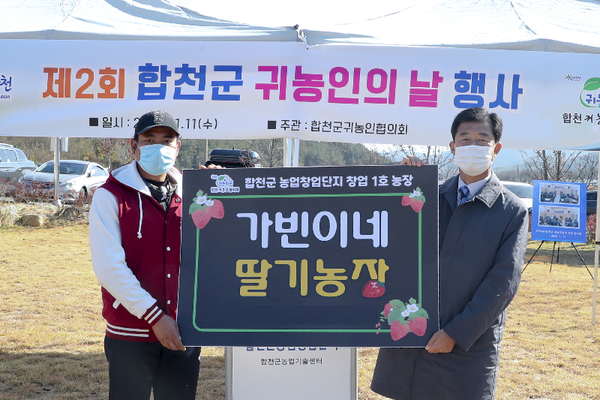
x,y
323,256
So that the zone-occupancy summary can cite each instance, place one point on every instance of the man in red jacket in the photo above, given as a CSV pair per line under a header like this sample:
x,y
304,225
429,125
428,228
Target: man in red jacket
x,y
135,240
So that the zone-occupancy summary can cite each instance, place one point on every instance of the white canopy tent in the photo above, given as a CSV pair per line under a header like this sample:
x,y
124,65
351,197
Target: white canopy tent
x,y
532,25
548,49
534,43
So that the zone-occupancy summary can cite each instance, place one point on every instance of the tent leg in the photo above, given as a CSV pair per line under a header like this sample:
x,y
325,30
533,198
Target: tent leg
x,y
596,252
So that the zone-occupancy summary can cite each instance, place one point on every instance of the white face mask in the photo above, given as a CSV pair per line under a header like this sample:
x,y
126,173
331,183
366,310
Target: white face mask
x,y
473,160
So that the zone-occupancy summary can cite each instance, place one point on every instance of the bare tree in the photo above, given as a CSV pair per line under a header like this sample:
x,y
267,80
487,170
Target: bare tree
x,y
434,155
106,148
270,151
552,165
587,168
113,149
509,174
123,153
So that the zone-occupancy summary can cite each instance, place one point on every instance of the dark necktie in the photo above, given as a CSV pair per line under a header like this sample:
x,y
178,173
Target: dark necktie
x,y
464,194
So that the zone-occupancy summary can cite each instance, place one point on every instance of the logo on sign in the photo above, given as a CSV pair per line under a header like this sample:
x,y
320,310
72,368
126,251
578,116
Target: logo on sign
x,y
223,184
590,94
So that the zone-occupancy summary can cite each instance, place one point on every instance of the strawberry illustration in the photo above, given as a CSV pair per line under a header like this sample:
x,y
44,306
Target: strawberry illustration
x,y
403,318
415,200
200,218
203,209
418,325
417,205
216,210
398,330
373,289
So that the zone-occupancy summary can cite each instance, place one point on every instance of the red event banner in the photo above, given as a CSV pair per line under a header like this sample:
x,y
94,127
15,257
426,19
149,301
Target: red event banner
x,y
323,256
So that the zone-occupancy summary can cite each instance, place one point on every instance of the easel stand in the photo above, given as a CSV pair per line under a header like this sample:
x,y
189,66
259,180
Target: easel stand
x,y
557,256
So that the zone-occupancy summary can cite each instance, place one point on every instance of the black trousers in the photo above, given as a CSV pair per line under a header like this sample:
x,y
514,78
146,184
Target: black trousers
x,y
137,368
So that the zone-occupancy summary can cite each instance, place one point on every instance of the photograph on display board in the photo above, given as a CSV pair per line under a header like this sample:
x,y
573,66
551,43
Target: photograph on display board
x,y
560,193
567,217
558,214
310,256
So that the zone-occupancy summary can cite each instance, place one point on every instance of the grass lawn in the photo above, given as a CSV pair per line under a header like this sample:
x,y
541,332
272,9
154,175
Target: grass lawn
x,y
51,330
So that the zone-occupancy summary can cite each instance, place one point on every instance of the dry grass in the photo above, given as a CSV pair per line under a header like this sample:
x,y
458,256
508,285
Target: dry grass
x,y
550,348
51,331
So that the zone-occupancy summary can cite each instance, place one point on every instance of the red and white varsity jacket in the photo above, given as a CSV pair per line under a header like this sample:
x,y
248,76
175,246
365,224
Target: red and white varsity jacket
x,y
135,248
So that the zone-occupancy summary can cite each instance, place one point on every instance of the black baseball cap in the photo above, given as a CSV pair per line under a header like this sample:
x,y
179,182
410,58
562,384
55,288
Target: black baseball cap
x,y
155,119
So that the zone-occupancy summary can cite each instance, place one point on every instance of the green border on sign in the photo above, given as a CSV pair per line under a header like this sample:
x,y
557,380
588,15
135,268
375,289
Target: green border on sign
x,y
290,330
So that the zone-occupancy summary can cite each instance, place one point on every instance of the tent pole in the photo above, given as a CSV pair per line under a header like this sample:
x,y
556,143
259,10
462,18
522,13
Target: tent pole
x,y
291,152
287,152
596,252
296,152
206,151
57,148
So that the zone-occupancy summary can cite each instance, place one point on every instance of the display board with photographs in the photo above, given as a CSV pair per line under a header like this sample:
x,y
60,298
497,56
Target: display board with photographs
x,y
559,212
